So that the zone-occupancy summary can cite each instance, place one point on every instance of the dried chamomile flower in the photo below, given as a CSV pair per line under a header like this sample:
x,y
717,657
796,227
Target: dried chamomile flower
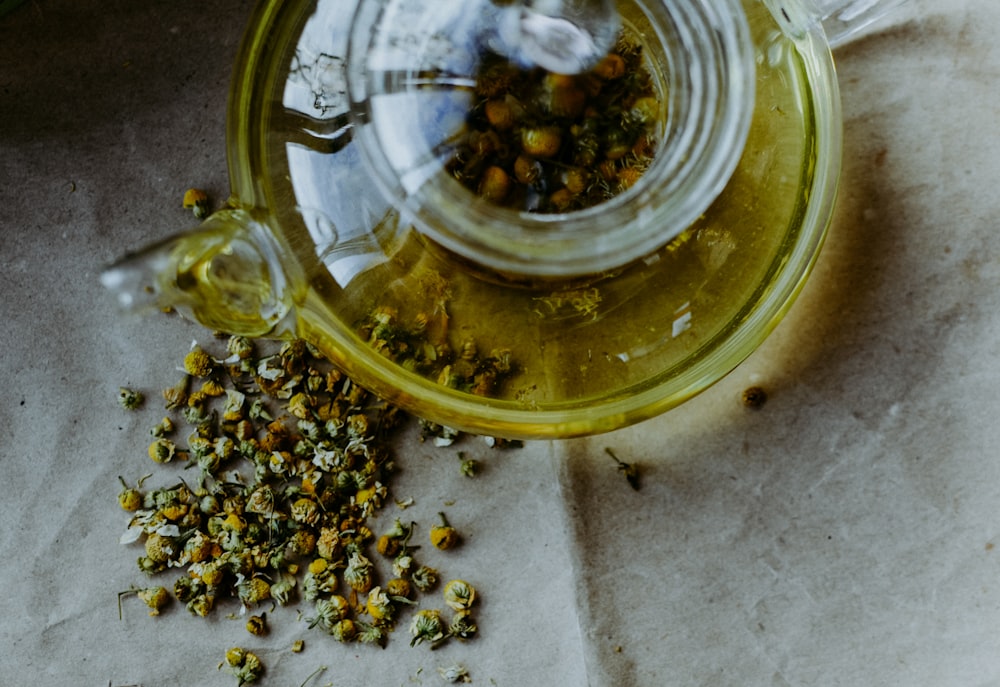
x,y
233,409
358,574
244,665
163,428
380,606
202,604
454,673
403,565
240,347
196,200
630,470
754,397
176,396
156,598
162,450
212,388
235,656
130,498
198,548
160,548
369,633
424,578
328,544
198,363
470,466
462,626
254,591
293,511
257,625
305,511
394,540
129,399
319,580
399,588
343,630
283,587
426,626
459,595
298,646
330,611
443,536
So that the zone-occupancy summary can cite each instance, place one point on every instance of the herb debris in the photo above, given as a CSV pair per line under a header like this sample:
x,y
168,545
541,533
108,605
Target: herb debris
x,y
287,459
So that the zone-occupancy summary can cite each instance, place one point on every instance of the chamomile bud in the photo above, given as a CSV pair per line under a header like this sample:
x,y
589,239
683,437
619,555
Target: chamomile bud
x,y
443,536
541,142
379,605
198,363
130,498
235,655
196,200
399,587
426,626
454,673
159,548
162,450
343,630
358,574
244,665
240,346
331,610
459,595
254,590
156,598
462,626
257,625
129,399
424,578
201,605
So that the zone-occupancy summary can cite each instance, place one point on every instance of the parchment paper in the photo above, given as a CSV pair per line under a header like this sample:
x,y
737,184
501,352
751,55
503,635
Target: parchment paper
x,y
842,534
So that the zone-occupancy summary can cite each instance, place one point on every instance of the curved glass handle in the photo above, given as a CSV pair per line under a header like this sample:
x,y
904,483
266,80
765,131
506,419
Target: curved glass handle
x,y
842,19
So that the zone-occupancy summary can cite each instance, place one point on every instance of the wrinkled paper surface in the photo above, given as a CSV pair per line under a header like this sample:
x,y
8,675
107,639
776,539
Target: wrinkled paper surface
x,y
842,534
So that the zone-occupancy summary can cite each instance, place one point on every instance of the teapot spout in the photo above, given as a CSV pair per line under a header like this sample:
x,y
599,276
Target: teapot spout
x,y
225,274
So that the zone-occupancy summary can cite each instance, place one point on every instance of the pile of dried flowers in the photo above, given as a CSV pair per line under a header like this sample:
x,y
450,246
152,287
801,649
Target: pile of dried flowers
x,y
288,460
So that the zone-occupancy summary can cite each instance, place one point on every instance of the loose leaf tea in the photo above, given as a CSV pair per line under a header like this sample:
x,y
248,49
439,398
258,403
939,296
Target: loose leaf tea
x,y
286,461
546,142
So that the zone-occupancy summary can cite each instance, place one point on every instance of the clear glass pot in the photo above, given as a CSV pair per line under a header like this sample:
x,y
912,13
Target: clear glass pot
x,y
346,228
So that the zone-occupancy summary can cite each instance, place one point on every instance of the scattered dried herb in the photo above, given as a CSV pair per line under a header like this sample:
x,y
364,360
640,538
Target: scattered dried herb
x,y
288,459
257,625
130,399
630,470
427,626
444,536
244,665
423,347
470,466
459,595
156,598
196,200
754,397
454,673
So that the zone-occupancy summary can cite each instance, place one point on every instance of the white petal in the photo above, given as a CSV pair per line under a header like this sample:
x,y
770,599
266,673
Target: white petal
x,y
131,534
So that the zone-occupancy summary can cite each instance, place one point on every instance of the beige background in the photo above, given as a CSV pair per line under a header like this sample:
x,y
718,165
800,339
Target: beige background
x,y
841,535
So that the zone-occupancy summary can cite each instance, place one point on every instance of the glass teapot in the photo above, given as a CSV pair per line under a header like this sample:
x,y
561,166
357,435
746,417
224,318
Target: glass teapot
x,y
663,191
